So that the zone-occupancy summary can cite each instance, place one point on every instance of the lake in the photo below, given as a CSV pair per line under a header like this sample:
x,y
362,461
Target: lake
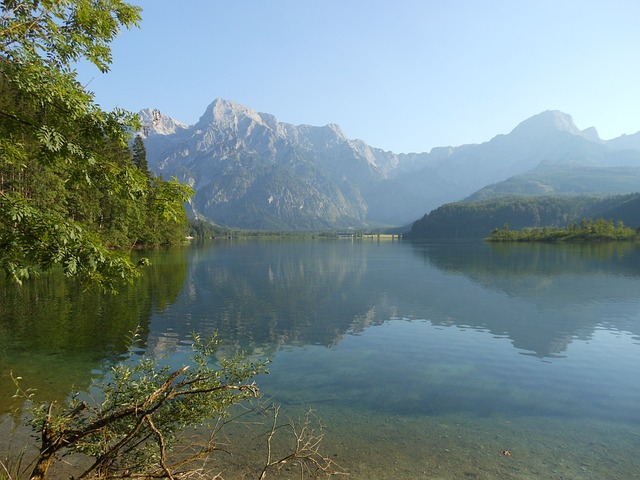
x,y
422,360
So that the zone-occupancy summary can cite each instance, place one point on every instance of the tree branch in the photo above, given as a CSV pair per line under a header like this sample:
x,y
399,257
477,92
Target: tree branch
x,y
161,444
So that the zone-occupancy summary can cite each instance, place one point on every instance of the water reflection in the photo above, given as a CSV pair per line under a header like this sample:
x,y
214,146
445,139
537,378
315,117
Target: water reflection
x,y
55,335
564,291
263,295
441,354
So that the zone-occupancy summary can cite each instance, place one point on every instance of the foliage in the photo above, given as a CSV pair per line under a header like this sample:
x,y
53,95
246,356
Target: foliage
x,y
48,239
202,229
69,187
477,219
587,231
135,423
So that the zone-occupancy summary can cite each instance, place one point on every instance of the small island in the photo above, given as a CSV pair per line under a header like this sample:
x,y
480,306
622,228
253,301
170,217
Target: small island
x,y
587,231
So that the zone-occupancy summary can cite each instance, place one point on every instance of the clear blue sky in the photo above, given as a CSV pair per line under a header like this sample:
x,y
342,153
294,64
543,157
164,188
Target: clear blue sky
x,y
402,75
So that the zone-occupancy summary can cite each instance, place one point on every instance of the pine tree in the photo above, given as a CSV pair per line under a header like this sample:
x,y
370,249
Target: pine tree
x,y
140,155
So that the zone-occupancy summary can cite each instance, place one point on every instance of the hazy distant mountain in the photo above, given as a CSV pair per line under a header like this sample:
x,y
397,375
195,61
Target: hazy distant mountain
x,y
626,142
566,179
251,171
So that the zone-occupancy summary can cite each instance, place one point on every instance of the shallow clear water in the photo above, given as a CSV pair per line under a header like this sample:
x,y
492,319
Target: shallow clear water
x,y
424,361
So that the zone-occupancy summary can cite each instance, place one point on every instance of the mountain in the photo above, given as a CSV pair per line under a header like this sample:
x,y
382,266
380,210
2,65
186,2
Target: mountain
x,y
551,123
626,142
549,179
250,171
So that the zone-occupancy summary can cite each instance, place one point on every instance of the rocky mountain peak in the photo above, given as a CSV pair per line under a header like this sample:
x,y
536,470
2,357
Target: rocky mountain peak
x,y
547,122
591,134
225,114
335,128
550,122
155,122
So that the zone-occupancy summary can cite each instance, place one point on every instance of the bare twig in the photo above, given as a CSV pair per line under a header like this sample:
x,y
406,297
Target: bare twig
x,y
306,452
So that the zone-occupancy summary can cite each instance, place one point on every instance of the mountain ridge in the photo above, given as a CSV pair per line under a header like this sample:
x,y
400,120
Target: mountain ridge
x,y
251,171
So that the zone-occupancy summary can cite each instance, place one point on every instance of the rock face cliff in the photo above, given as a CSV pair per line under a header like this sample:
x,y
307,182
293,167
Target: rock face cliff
x,y
250,171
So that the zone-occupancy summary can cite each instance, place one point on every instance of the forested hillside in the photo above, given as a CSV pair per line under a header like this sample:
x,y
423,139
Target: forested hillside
x,y
478,219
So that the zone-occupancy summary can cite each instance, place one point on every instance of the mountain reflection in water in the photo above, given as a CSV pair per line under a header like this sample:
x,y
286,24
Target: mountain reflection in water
x,y
566,291
406,349
261,295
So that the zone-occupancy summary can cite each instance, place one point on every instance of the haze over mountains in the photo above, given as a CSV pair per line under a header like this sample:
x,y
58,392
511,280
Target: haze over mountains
x,y
250,171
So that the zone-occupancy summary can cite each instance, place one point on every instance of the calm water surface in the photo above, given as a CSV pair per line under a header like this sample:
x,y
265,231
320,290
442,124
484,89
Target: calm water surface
x,y
423,361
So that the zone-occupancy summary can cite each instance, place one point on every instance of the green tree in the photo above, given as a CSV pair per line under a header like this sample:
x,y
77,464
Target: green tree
x,y
66,181
140,155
